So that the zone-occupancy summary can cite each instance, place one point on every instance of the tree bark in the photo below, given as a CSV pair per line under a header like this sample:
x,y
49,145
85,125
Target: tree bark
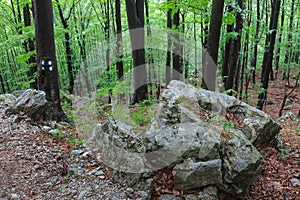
x,y
136,23
256,40
68,50
289,52
169,46
210,70
29,47
235,49
277,59
226,55
48,73
176,54
120,68
268,55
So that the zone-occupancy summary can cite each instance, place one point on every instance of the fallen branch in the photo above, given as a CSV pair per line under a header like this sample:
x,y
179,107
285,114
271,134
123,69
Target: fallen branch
x,y
286,94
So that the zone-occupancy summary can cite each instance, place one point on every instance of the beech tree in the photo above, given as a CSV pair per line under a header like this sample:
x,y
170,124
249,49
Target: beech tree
x,y
119,64
46,59
136,23
235,49
210,71
269,52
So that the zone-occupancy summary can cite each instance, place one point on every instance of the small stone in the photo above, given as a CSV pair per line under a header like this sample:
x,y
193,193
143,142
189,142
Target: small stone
x,y
98,173
295,182
54,132
102,177
77,152
297,175
130,190
295,155
85,154
76,170
46,128
168,197
81,194
14,197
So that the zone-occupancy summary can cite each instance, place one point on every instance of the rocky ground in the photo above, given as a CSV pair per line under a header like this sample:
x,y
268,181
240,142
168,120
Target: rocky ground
x,y
35,164
49,161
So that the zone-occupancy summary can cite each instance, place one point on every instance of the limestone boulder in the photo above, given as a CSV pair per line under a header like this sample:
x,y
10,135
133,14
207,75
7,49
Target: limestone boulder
x,y
31,103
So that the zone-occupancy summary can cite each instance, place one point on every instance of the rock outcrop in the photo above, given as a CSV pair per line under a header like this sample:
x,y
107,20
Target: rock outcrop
x,y
31,103
208,138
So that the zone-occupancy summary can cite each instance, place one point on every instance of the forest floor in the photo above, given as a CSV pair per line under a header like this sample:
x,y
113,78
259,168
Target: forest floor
x,y
37,165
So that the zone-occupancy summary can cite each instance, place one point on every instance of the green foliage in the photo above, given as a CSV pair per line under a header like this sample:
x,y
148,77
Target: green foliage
x,y
143,114
228,125
260,91
231,91
284,153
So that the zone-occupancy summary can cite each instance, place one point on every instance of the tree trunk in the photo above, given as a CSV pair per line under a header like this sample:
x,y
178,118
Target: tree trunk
x,y
176,54
120,68
289,52
46,59
135,18
68,50
169,46
256,40
2,85
29,47
277,59
235,49
268,55
210,70
226,55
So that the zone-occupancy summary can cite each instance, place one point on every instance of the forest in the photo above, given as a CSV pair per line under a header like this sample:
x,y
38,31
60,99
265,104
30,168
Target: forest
x,y
103,59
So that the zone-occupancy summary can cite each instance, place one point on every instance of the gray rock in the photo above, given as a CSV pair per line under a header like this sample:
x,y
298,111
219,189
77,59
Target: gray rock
x,y
7,99
14,197
241,161
295,182
258,127
81,194
30,102
77,152
168,197
181,136
46,128
54,131
144,195
17,93
187,140
287,116
76,170
208,193
191,175
122,150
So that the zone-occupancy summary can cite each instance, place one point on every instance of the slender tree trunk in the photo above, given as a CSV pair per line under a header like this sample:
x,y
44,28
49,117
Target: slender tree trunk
x,y
29,47
235,49
168,59
176,54
107,37
46,59
2,84
277,59
68,50
268,55
226,55
120,68
289,52
135,18
245,75
256,41
210,68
